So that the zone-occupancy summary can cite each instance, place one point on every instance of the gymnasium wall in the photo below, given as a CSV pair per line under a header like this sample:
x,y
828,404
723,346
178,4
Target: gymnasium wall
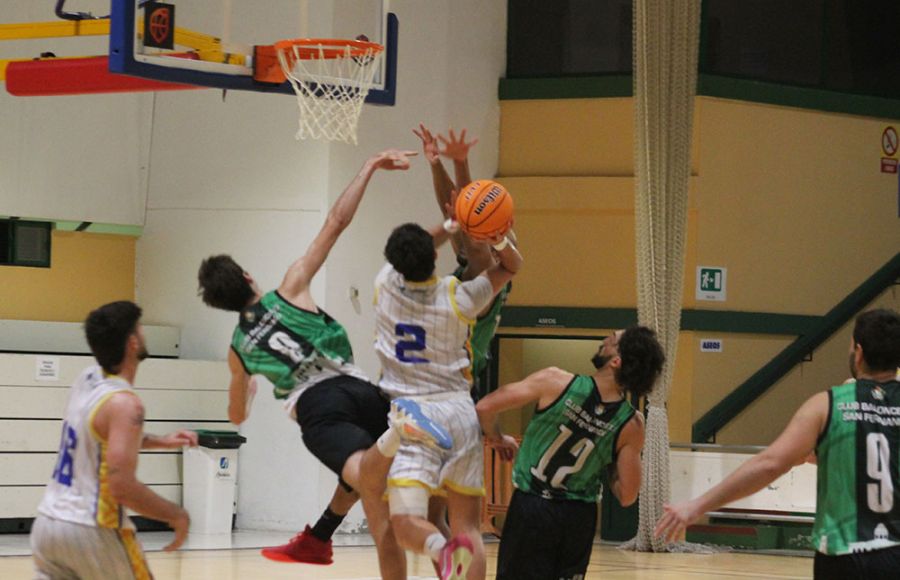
x,y
790,201
86,270
80,158
176,394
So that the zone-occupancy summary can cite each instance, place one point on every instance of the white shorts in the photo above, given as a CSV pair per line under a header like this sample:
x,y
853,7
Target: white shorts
x,y
64,550
460,469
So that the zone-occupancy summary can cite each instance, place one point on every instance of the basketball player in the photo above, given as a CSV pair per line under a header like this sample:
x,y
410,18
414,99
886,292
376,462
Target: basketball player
x,y
81,530
582,425
284,336
483,332
422,329
473,257
854,430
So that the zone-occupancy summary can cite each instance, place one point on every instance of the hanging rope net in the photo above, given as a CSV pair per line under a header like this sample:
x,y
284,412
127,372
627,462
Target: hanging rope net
x,y
331,78
666,39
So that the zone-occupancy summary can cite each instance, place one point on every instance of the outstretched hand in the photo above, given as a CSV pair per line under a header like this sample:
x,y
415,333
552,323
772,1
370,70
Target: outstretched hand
x,y
394,159
178,439
455,147
675,520
429,144
506,447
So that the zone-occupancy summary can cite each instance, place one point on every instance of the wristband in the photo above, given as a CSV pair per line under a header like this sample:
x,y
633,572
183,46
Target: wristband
x,y
451,226
501,245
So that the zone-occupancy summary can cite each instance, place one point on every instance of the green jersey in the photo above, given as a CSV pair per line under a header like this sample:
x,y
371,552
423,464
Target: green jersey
x,y
485,328
292,347
858,495
567,445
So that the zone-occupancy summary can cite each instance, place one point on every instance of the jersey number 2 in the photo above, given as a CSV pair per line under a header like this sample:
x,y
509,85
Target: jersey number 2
x,y
406,349
65,463
879,495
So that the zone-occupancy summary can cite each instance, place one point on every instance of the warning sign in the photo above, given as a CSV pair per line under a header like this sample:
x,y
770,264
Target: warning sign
x,y
888,165
889,141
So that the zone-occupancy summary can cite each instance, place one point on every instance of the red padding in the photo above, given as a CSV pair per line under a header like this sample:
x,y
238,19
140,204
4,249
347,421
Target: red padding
x,y
77,76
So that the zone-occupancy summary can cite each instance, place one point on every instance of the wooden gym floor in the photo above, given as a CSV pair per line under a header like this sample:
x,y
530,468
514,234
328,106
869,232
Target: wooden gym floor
x,y
359,563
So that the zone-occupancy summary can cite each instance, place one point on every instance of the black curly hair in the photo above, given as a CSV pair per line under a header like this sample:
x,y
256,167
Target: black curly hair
x,y
642,360
410,250
223,285
878,333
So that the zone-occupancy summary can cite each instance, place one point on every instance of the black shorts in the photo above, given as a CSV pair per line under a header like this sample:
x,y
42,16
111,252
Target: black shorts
x,y
883,564
340,416
546,539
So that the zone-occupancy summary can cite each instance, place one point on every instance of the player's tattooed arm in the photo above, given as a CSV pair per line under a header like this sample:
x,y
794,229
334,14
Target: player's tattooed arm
x,y
120,421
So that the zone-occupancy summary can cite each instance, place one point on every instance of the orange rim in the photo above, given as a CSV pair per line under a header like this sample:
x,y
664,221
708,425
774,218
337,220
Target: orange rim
x,y
314,48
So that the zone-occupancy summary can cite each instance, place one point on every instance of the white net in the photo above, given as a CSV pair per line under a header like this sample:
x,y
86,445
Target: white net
x,y
666,40
331,85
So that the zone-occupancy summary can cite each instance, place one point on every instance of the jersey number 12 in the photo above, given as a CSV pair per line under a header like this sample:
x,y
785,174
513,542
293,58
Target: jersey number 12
x,y
580,450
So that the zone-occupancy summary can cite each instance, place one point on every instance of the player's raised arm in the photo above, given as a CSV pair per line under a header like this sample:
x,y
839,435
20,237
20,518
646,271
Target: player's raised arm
x,y
301,272
477,253
508,265
443,185
457,149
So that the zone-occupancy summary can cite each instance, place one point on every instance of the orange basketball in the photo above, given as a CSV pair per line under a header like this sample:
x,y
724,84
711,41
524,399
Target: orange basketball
x,y
484,209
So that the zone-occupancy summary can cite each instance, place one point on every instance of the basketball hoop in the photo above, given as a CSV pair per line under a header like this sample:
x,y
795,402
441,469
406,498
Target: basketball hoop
x,y
331,78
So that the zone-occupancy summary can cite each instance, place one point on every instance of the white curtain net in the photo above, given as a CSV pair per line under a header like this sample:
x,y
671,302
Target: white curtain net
x,y
666,40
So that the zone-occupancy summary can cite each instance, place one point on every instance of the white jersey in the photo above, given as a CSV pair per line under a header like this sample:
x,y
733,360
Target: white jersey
x,y
79,490
422,332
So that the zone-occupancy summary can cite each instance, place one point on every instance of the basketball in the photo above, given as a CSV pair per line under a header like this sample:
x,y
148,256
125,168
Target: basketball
x,y
484,209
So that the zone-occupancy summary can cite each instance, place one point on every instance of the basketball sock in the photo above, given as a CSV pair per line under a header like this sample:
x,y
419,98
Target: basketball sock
x,y
434,544
327,524
389,443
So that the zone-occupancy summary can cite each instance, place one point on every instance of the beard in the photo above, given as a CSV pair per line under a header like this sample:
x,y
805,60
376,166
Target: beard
x,y
599,361
143,354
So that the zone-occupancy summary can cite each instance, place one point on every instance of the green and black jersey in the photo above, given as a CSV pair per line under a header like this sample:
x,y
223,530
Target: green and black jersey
x,y
567,445
292,347
485,328
858,501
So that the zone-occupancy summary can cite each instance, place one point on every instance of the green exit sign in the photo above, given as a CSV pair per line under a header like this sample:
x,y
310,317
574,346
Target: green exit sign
x,y
711,283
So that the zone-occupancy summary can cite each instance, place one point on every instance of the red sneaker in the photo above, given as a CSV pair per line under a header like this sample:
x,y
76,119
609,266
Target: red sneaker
x,y
456,557
304,548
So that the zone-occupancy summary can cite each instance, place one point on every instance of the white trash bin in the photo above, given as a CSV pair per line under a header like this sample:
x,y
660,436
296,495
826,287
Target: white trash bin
x,y
210,476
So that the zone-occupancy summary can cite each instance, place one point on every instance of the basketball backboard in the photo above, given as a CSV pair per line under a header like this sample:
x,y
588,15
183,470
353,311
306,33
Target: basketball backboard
x,y
223,33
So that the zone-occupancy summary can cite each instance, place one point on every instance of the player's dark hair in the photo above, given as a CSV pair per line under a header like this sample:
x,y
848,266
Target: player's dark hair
x,y
223,285
878,333
642,360
107,330
410,250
